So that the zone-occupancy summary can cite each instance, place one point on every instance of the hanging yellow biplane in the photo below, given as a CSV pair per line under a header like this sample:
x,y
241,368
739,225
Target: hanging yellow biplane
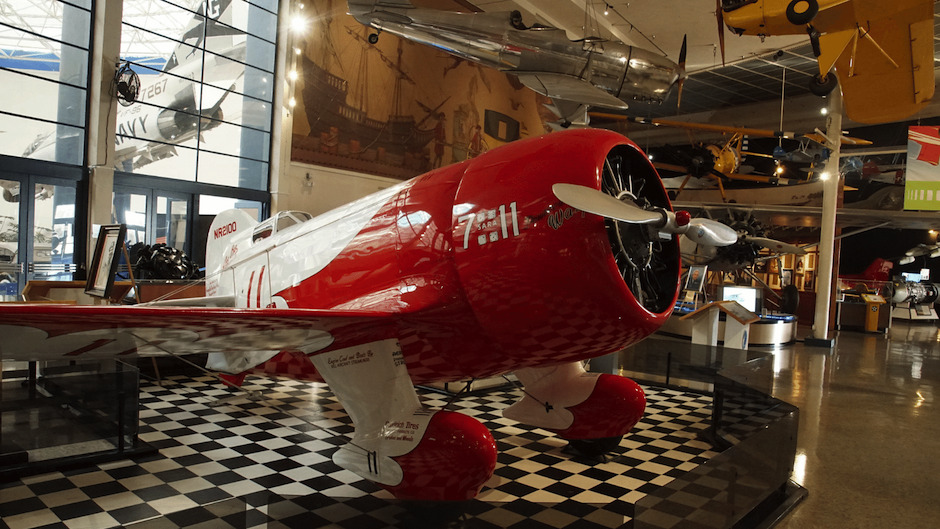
x,y
721,163
882,52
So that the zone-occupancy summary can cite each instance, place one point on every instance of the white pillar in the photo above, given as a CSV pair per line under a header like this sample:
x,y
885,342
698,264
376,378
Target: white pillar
x,y
104,54
827,230
282,128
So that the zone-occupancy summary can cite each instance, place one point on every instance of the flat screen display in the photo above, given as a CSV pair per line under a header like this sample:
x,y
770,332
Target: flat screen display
x,y
747,297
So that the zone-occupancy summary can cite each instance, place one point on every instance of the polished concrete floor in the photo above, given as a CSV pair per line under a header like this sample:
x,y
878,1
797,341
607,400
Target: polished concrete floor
x,y
869,438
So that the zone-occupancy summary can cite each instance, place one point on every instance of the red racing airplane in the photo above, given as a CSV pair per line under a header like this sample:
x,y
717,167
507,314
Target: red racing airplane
x,y
529,258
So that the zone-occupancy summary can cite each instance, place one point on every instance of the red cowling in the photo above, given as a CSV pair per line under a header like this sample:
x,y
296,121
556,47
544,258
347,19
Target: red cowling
x,y
614,407
451,463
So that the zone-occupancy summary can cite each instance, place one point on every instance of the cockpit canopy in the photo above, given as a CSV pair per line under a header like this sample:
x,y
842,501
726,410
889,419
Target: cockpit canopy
x,y
279,222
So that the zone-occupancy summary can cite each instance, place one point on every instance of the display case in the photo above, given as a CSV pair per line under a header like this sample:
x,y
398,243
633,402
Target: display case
x,y
57,414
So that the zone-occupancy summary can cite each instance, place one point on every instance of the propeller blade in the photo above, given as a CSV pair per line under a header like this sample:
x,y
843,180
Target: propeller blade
x,y
776,246
683,51
600,203
702,231
711,233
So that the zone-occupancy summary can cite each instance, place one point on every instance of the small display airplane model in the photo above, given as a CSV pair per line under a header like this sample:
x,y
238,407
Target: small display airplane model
x,y
169,108
529,258
883,52
575,74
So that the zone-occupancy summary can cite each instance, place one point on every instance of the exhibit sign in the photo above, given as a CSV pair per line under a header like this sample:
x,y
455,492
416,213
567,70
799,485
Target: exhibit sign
x,y
922,182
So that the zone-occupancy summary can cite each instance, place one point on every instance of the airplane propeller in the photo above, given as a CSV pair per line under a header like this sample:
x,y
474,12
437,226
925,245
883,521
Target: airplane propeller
x,y
702,231
774,245
683,52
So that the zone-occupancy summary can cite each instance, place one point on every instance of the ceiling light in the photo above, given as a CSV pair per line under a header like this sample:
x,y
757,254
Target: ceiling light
x,y
298,24
606,9
292,75
824,111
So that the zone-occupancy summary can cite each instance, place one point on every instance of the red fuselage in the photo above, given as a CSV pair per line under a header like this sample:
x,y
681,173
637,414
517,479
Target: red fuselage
x,y
484,271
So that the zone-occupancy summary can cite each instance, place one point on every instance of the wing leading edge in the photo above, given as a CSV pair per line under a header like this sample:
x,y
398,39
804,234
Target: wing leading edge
x,y
245,337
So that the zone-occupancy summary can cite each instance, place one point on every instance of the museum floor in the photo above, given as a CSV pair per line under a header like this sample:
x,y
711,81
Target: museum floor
x,y
868,441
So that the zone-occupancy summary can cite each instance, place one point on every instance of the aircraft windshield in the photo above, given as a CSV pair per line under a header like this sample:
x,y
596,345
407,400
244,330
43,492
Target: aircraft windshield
x,y
731,5
279,222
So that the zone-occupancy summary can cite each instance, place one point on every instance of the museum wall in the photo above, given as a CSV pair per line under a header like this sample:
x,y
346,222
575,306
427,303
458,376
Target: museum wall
x,y
392,110
317,189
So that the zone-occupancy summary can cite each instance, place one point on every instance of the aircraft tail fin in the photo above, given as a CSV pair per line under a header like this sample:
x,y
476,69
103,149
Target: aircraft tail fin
x,y
228,227
212,27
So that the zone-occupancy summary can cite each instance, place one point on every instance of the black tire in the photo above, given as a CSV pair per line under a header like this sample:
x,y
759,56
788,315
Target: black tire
x,y
373,38
802,17
791,299
823,86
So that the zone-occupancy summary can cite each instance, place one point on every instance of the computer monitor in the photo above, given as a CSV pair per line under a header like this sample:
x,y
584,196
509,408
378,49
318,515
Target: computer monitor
x,y
750,298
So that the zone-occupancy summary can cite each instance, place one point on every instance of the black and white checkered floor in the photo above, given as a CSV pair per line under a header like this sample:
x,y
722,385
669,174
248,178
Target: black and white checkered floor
x,y
249,463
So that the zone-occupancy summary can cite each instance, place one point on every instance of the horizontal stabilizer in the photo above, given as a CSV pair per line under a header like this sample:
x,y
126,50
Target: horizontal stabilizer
x,y
569,87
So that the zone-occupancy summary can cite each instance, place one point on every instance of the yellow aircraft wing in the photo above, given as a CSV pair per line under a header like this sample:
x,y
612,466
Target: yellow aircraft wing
x,y
885,64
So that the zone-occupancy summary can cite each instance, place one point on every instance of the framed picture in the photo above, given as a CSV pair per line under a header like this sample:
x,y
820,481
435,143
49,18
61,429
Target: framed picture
x,y
696,278
808,280
105,261
786,277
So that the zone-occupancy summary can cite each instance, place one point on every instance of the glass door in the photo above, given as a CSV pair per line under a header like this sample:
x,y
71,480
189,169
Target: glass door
x,y
53,232
37,232
172,220
10,267
153,216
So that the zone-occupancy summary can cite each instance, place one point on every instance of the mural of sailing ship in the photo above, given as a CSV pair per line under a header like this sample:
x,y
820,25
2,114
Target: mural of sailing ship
x,y
424,110
396,146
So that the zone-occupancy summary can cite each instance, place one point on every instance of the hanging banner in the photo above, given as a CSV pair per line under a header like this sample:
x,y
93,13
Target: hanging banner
x,y
922,181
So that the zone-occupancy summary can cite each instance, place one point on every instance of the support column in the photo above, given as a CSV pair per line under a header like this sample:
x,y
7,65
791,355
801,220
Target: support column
x,y
102,110
827,231
283,114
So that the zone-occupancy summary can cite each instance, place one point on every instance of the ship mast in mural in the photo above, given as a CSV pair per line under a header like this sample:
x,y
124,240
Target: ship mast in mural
x,y
347,128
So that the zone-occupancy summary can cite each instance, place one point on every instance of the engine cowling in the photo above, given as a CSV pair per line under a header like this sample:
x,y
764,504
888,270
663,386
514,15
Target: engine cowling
x,y
578,280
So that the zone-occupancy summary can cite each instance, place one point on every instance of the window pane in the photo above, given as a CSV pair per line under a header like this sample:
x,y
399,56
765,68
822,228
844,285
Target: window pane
x,y
41,140
44,77
9,240
33,95
224,73
231,171
225,138
172,219
252,20
54,230
213,205
165,132
46,18
130,209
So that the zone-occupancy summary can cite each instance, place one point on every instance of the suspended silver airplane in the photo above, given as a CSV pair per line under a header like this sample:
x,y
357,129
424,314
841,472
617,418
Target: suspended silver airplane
x,y
576,74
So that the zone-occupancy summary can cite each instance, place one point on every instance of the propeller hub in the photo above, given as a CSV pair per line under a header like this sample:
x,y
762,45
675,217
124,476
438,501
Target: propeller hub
x,y
683,217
